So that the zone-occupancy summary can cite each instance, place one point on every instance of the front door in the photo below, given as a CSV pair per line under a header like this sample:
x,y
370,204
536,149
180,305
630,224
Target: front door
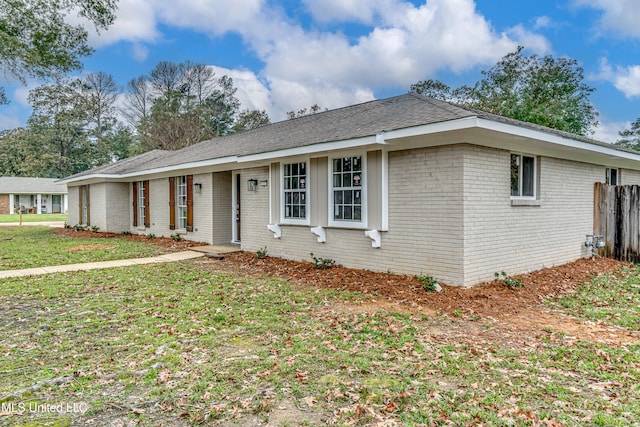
x,y
56,204
237,208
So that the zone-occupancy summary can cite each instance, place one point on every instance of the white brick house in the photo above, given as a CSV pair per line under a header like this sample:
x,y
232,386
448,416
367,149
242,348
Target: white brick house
x,y
406,184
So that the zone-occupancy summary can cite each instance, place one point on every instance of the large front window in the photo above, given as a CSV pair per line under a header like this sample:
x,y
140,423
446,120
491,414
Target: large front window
x,y
295,184
347,189
181,201
523,176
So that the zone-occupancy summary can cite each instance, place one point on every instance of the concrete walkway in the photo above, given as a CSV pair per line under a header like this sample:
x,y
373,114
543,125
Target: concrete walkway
x,y
53,224
175,256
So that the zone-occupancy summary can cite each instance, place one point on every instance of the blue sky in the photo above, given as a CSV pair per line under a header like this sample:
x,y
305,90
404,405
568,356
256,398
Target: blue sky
x,y
285,55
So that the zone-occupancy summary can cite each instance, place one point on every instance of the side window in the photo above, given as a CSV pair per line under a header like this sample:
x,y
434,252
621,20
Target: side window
x,y
612,176
523,176
295,197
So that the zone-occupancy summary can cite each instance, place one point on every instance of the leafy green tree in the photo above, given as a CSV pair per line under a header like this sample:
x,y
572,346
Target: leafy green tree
x,y
544,90
36,40
630,137
59,123
251,119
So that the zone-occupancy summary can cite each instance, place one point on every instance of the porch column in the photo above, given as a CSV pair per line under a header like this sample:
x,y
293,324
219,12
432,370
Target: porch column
x,y
11,207
38,203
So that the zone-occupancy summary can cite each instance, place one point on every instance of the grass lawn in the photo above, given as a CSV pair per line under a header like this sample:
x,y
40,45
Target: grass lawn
x,y
33,217
179,344
37,246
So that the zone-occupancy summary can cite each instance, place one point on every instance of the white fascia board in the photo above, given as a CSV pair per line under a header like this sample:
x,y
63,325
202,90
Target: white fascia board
x,y
554,139
314,148
451,125
178,167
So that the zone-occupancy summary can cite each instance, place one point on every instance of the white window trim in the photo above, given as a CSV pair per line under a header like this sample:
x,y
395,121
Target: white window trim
x,y
365,207
535,177
293,221
178,205
608,176
141,206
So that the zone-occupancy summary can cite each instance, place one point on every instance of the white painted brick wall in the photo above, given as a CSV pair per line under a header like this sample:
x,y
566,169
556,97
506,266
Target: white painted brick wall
x,y
516,239
425,213
73,194
202,209
117,217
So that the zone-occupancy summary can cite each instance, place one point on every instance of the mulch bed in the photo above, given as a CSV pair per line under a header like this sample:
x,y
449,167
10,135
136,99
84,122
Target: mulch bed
x,y
487,299
164,242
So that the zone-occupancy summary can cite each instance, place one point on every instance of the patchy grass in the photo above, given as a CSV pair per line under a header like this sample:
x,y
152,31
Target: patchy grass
x,y
33,217
613,299
178,344
27,247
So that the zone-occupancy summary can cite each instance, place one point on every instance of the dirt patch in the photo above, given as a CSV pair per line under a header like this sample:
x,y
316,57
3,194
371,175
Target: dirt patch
x,y
509,312
164,242
90,247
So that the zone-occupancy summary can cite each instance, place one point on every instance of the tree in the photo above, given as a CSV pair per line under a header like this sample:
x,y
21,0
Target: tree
x,y
630,137
181,104
59,124
36,40
251,119
544,90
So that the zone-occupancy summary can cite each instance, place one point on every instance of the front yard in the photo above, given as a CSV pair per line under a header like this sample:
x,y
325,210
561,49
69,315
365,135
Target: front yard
x,y
218,342
37,246
33,218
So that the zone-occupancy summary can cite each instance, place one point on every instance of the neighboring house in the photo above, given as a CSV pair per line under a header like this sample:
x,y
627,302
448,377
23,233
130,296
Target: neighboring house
x,y
35,195
406,184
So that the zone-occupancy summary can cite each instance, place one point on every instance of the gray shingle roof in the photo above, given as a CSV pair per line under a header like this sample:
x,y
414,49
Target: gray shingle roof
x,y
20,185
355,121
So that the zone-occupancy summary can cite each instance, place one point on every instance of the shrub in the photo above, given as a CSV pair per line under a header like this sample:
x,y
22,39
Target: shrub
x,y
95,228
151,236
261,253
177,237
508,281
323,262
126,233
428,283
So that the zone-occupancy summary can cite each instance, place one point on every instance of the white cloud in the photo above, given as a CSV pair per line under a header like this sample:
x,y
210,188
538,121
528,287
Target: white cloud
x,y
210,16
348,10
542,22
619,17
608,131
140,52
135,21
9,121
625,79
532,41
405,43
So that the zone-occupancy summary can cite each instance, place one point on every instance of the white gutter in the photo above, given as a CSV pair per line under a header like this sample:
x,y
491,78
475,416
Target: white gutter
x,y
554,139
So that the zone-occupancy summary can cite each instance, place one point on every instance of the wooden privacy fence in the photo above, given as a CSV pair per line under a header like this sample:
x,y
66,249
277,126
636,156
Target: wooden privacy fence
x,y
617,218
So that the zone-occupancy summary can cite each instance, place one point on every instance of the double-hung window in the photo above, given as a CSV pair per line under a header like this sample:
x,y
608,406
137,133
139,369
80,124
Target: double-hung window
x,y
295,186
181,201
523,176
347,194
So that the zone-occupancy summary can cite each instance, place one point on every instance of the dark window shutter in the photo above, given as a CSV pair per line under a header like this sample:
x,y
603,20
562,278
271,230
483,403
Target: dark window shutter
x,y
147,211
172,203
189,202
135,204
